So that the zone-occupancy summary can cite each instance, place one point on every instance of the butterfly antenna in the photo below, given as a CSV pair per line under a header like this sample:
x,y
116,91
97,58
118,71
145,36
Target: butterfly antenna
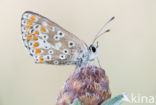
x,y
98,33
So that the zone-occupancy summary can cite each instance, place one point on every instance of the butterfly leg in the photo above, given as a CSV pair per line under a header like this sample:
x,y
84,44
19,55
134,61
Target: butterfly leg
x,y
94,62
98,61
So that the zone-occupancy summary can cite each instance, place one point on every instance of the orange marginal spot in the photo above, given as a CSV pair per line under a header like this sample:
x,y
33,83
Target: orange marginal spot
x,y
42,29
40,59
49,26
29,37
29,23
37,51
36,33
34,37
27,28
32,18
35,44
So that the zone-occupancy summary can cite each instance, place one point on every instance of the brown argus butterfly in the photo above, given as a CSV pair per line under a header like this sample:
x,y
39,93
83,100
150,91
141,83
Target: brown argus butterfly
x,y
49,43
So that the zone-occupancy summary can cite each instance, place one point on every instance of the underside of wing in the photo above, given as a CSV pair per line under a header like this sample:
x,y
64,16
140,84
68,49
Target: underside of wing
x,y
47,42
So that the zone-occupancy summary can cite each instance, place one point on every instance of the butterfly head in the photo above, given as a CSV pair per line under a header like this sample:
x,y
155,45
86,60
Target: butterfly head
x,y
92,51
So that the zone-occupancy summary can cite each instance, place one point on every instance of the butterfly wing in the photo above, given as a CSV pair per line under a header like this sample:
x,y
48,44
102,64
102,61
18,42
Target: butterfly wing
x,y
49,43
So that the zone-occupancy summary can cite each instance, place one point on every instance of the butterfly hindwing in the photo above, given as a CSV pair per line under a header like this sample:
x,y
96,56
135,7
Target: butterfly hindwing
x,y
47,42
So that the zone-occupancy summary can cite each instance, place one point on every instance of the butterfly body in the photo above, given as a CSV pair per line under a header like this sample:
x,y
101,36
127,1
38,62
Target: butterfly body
x,y
49,43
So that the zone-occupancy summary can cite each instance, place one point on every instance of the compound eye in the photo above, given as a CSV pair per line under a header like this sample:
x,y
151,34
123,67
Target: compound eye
x,y
93,49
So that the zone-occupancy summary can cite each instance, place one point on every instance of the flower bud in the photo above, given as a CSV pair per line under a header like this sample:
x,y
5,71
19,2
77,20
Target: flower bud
x,y
88,84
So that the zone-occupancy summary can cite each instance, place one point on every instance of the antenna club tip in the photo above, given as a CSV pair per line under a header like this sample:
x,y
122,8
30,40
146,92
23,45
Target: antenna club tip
x,y
113,18
108,30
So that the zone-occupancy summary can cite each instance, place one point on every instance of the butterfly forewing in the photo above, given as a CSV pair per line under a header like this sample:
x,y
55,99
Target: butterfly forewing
x,y
47,42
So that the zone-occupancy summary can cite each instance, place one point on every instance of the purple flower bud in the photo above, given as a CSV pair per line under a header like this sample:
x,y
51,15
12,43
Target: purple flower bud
x,y
88,84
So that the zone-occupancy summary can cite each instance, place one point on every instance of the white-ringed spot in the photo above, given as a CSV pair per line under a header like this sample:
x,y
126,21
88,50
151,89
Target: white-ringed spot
x,y
61,34
47,47
62,56
31,44
44,36
65,51
50,52
23,28
56,37
36,26
47,57
35,57
31,31
32,51
24,35
71,44
26,15
56,62
23,22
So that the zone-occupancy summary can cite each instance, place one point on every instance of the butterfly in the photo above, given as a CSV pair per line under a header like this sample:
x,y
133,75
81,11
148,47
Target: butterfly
x,y
49,43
